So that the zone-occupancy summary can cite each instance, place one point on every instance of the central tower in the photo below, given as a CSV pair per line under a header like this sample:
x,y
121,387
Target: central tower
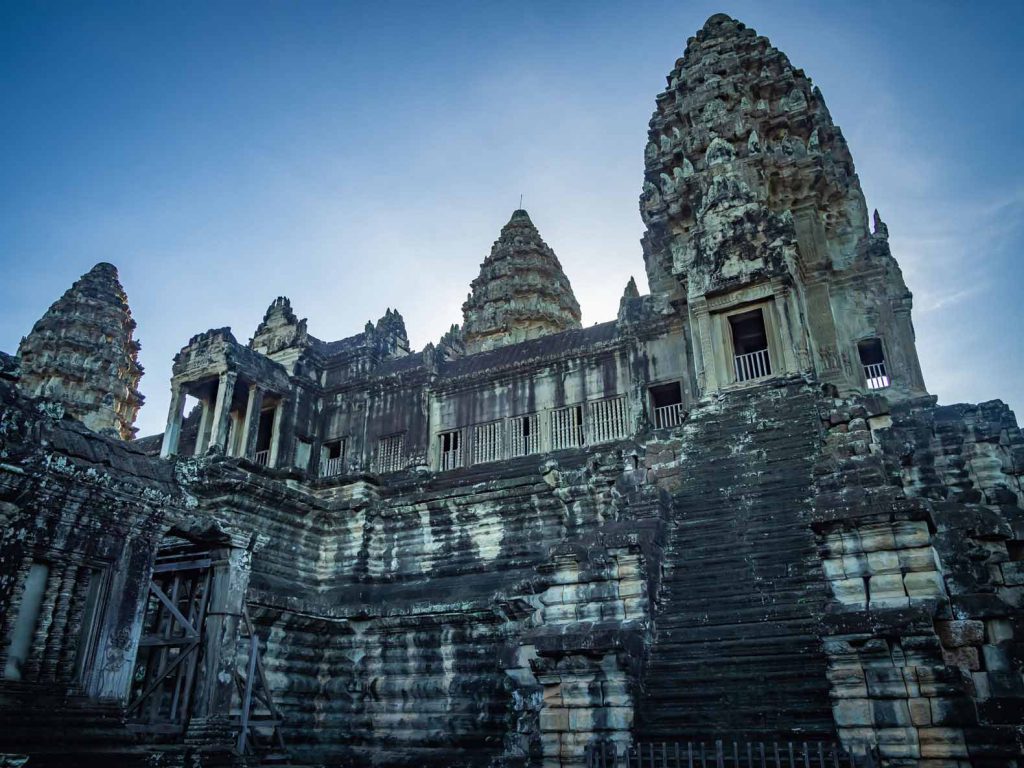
x,y
521,292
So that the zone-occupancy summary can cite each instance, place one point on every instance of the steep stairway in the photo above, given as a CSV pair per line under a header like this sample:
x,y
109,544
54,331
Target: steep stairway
x,y
736,650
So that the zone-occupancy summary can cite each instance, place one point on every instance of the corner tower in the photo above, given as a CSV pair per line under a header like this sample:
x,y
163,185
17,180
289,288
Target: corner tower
x,y
82,354
756,220
521,292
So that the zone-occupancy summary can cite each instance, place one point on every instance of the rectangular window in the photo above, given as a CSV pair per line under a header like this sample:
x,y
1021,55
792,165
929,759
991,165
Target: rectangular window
x,y
872,359
667,403
567,427
608,419
525,437
332,458
750,346
264,436
488,442
391,453
24,630
451,449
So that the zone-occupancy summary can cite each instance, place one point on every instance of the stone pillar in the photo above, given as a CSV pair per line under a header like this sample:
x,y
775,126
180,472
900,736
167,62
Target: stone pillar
x,y
203,435
707,375
251,430
904,348
211,723
275,433
173,429
821,324
222,409
117,639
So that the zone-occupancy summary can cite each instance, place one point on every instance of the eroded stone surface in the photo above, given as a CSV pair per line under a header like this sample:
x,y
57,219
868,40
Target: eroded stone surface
x,y
81,353
521,292
501,549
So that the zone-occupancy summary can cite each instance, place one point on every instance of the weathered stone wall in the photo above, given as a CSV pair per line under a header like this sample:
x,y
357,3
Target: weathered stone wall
x,y
917,510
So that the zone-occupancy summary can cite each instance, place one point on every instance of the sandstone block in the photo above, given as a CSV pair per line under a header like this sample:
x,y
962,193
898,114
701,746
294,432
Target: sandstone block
x,y
883,562
554,719
849,591
998,630
966,657
955,634
909,534
852,712
1013,572
942,743
917,559
920,711
996,658
924,584
885,683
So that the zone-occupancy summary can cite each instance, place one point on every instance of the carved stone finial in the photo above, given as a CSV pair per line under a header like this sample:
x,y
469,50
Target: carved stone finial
x,y
880,229
81,353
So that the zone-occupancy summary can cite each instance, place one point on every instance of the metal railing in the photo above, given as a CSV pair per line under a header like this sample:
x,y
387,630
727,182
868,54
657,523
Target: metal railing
x,y
752,365
876,376
332,467
669,416
725,754
262,457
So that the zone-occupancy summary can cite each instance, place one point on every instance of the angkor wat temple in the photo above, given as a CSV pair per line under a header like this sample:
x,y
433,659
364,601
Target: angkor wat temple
x,y
731,511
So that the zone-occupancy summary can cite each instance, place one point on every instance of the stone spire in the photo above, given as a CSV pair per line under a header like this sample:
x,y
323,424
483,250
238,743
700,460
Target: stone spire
x,y
81,353
738,137
521,292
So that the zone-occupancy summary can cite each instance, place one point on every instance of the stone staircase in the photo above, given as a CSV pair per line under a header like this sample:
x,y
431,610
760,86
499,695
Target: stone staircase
x,y
737,649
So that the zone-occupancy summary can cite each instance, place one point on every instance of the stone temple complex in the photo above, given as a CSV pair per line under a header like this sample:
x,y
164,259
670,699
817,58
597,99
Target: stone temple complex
x,y
732,512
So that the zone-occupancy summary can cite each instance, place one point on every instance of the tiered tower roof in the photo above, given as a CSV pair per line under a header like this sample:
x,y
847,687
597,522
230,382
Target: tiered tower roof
x,y
82,354
521,292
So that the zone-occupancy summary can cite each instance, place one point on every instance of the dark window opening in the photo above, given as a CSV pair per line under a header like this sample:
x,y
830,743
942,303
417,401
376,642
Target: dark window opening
x,y
451,449
264,436
872,358
332,458
750,345
667,400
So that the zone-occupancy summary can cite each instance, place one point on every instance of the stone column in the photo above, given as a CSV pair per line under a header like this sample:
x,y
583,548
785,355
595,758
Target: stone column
x,y
173,429
251,430
203,435
222,409
275,433
705,339
211,723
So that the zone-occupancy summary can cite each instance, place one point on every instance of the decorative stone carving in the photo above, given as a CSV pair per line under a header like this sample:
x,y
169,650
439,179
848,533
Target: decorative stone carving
x,y
521,292
82,354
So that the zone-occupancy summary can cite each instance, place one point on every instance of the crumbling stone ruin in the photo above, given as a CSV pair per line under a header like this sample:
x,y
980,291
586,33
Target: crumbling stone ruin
x,y
733,511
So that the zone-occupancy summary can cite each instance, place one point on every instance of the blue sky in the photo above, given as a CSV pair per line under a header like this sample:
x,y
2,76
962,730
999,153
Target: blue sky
x,y
359,156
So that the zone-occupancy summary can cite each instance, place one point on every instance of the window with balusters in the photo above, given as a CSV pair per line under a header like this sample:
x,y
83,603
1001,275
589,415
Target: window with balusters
x,y
332,458
488,442
525,435
567,428
391,453
607,420
872,360
450,453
